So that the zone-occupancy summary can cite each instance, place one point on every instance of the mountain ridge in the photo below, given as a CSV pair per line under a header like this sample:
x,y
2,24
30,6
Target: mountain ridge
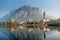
x,y
24,13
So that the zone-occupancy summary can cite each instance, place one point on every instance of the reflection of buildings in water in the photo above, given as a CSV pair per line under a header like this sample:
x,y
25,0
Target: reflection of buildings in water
x,y
14,24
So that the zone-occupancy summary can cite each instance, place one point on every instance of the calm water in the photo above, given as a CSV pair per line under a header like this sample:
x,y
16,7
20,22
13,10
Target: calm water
x,y
53,35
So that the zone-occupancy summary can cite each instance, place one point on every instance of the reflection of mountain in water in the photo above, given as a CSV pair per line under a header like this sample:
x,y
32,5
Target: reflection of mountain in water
x,y
21,35
6,35
50,32
29,35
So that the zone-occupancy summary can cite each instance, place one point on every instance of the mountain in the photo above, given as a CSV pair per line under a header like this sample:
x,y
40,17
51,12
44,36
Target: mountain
x,y
50,17
24,13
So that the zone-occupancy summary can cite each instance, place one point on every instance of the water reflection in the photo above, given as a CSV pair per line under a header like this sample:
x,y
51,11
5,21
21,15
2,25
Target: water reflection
x,y
53,35
6,35
28,35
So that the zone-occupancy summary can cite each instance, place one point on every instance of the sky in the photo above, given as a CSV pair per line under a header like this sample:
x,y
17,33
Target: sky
x,y
51,7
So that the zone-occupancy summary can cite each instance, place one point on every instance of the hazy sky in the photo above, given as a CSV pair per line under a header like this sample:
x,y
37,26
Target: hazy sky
x,y
52,7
